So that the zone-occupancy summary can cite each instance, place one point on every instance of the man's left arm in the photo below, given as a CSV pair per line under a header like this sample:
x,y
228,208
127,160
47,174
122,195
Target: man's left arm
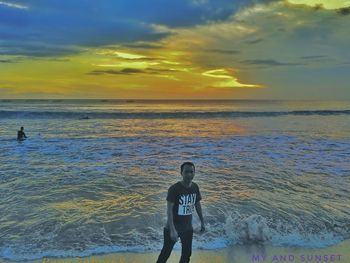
x,y
200,215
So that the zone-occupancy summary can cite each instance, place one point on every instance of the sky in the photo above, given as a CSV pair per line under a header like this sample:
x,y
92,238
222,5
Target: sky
x,y
183,49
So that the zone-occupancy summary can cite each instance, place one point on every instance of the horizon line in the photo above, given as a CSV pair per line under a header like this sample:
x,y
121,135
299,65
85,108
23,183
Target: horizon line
x,y
131,99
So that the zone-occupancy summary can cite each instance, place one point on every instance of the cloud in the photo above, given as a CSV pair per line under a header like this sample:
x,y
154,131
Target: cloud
x,y
33,49
344,11
285,33
132,71
297,44
120,54
256,41
314,57
7,61
143,46
228,80
222,51
59,24
325,4
163,70
57,59
268,62
275,44
11,5
64,26
126,71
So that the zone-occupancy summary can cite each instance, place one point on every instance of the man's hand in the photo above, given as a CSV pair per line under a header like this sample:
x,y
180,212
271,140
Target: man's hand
x,y
173,235
199,230
202,228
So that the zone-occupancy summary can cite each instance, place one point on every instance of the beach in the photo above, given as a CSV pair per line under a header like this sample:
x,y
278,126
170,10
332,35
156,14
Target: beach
x,y
237,254
121,121
91,180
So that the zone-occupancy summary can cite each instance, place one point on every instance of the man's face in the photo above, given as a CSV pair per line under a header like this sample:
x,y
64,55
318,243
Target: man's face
x,y
188,173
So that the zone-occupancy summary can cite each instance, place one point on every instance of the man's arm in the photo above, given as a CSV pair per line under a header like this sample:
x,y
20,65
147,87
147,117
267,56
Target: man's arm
x,y
173,233
199,212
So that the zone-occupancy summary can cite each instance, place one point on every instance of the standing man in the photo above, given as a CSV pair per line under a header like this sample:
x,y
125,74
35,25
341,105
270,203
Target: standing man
x,y
182,198
21,135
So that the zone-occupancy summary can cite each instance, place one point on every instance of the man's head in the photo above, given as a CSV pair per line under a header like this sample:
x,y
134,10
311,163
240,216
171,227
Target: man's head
x,y
22,128
187,172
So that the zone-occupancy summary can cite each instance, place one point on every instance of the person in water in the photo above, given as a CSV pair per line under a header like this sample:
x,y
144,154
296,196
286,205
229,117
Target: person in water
x,y
21,135
182,198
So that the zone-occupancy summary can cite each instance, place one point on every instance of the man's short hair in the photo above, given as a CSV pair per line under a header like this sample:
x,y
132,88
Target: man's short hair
x,y
187,163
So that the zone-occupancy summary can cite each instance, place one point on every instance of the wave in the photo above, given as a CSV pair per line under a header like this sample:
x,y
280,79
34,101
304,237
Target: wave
x,y
164,115
236,230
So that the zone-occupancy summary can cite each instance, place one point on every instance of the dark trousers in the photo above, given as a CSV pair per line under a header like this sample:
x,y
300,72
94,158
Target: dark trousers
x,y
186,246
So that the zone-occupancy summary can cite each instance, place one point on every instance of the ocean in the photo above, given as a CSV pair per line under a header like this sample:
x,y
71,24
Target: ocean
x,y
93,175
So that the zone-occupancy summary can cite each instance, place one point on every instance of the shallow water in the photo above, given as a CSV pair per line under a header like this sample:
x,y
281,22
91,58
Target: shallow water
x,y
80,186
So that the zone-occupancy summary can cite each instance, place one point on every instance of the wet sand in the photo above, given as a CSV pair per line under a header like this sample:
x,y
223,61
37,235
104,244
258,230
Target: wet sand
x,y
234,254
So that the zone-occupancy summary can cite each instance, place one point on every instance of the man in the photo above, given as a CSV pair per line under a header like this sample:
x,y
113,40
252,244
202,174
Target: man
x,y
181,199
21,135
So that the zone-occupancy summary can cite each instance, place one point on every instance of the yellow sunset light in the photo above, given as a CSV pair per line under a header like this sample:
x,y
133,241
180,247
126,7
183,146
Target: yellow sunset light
x,y
328,4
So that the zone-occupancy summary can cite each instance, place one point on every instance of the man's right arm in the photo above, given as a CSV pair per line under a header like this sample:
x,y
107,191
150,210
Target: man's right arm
x,y
173,232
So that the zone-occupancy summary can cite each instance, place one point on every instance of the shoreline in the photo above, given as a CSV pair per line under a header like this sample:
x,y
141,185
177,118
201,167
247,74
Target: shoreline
x,y
233,254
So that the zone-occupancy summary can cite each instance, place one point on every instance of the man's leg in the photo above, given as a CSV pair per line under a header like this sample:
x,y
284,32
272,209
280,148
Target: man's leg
x,y
186,246
167,247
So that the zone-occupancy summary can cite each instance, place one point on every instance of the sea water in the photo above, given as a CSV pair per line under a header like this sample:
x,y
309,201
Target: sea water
x,y
93,175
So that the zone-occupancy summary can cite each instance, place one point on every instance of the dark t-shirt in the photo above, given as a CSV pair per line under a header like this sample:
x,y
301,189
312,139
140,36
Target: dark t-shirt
x,y
184,200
